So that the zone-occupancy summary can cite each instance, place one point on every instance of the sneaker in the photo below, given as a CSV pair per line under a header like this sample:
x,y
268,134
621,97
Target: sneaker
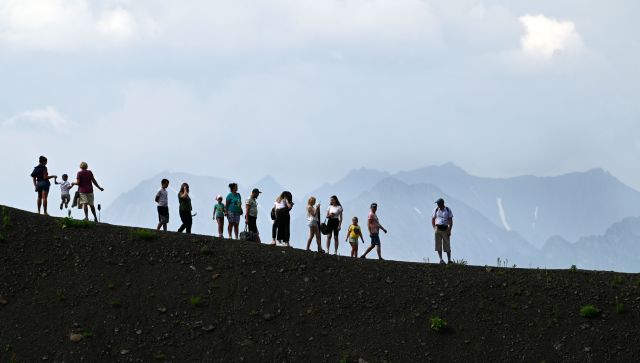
x,y
362,256
449,262
442,262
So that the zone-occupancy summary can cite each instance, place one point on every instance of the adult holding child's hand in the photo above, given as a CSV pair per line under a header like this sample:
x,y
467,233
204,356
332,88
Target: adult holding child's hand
x,y
41,183
85,182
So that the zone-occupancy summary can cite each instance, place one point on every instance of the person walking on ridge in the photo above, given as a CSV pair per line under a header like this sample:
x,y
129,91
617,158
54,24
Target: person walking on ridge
x,y
234,209
185,209
85,182
374,226
41,183
334,223
162,198
442,223
313,221
281,229
251,215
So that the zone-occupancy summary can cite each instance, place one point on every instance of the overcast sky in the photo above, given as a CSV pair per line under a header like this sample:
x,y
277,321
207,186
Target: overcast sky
x,y
306,90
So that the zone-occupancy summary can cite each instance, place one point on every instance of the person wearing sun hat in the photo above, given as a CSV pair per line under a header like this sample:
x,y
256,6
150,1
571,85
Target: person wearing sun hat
x,y
442,223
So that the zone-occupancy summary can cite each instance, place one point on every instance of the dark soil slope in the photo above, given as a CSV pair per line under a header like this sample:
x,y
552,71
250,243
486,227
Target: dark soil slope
x,y
138,297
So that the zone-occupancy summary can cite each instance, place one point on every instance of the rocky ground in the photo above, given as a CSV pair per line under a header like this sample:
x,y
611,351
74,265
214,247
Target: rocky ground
x,y
106,293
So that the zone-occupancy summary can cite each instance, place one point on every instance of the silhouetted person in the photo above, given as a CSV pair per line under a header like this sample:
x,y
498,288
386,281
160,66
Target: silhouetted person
x,y
313,221
185,208
65,188
442,222
41,183
85,182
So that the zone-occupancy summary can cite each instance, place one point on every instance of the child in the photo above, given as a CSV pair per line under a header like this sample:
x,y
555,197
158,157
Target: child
x,y
65,187
352,236
162,198
374,231
219,211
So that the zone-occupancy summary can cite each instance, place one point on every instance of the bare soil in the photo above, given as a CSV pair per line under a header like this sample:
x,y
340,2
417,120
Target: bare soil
x,y
128,296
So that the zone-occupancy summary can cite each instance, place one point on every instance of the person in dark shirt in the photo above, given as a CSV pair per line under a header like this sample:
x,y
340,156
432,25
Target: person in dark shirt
x,y
85,182
41,183
185,208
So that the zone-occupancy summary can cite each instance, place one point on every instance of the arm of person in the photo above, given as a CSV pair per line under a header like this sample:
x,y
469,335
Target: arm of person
x,y
450,225
95,182
55,180
433,222
340,222
35,184
157,198
382,228
246,213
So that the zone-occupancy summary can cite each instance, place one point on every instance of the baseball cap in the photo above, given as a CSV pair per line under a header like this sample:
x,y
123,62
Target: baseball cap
x,y
256,190
374,205
440,200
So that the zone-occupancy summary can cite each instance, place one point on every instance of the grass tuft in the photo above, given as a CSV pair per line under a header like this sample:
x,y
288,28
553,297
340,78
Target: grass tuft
x,y
618,280
589,311
75,223
573,268
205,250
438,324
144,234
620,307
196,300
116,304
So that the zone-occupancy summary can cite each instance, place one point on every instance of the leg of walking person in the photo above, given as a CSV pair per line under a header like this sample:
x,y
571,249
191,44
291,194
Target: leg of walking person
x,y
189,223
183,220
93,211
85,207
439,242
45,195
39,203
236,229
336,235
311,236
274,231
230,227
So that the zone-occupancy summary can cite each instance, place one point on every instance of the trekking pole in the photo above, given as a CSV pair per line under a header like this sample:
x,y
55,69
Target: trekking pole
x,y
99,208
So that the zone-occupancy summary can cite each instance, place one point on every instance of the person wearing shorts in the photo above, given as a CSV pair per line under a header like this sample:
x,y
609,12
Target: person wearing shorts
x,y
85,182
442,223
374,226
334,222
234,209
41,183
162,198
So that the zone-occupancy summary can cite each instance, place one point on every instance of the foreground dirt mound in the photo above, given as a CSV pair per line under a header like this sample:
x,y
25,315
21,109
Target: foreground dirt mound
x,y
106,293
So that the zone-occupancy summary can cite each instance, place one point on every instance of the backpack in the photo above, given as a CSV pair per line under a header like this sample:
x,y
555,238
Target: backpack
x,y
38,172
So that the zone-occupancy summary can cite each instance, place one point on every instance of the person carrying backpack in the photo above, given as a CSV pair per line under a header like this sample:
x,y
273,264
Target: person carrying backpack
x,y
41,183
442,223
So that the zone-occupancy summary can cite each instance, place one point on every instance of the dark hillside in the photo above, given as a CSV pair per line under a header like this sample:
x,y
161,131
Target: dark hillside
x,y
134,296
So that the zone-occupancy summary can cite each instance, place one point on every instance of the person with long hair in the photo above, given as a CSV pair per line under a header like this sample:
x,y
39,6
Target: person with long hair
x,y
313,221
334,222
234,209
185,208
281,229
41,183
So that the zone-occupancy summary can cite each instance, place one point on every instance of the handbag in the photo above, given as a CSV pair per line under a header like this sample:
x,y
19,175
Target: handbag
x,y
247,235
273,213
324,228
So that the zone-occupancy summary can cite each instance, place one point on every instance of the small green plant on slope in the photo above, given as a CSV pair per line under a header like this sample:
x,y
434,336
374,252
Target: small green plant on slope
x,y
144,234
573,268
6,219
75,223
618,280
196,300
589,311
620,308
461,262
438,324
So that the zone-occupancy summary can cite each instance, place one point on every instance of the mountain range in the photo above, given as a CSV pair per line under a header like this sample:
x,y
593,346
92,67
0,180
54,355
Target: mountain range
x,y
524,220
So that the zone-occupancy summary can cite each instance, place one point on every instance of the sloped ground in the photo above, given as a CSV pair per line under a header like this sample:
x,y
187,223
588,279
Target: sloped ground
x,y
194,298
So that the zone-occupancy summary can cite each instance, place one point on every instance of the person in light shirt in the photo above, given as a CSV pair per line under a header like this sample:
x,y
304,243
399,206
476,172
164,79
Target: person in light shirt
x,y
442,223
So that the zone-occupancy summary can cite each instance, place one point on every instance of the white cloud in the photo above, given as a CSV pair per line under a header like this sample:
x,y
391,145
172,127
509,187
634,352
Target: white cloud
x,y
545,37
68,25
239,25
48,118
